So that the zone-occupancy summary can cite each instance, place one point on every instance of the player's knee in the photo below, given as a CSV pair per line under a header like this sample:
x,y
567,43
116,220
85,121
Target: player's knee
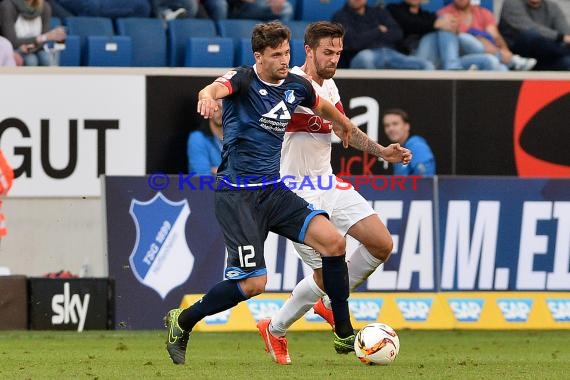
x,y
337,246
253,286
382,249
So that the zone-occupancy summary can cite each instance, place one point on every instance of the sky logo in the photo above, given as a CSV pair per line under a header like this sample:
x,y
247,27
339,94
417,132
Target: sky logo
x,y
365,309
559,309
414,309
515,310
220,318
264,308
466,310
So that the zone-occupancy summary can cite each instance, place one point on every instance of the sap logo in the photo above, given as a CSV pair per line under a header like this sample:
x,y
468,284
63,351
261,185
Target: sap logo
x,y
69,308
414,309
559,309
365,309
266,308
515,310
466,310
220,318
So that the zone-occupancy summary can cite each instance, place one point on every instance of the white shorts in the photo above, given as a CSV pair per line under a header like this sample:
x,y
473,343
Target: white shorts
x,y
345,207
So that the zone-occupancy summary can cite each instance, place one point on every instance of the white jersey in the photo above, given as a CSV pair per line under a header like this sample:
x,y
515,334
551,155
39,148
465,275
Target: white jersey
x,y
306,150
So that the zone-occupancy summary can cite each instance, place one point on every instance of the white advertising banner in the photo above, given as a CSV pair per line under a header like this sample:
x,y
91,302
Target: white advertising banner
x,y
61,132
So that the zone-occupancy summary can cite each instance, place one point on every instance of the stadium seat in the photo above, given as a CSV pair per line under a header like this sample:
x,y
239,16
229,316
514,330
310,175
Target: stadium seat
x,y
235,28
316,10
54,22
297,52
433,5
297,28
88,26
109,51
243,53
148,37
180,30
484,3
209,52
69,52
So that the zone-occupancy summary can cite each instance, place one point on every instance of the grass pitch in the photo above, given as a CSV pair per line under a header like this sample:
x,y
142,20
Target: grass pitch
x,y
423,355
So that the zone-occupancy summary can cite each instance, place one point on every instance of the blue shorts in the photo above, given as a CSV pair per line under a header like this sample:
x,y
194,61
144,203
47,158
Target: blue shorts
x,y
248,215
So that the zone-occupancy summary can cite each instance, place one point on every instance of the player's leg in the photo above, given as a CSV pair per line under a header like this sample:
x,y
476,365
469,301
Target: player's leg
x,y
354,216
301,223
246,274
303,296
325,239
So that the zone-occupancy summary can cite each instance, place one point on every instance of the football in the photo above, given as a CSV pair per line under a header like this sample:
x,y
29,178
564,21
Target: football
x,y
377,343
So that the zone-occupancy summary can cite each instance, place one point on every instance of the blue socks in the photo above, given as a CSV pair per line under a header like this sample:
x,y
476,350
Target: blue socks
x,y
222,296
335,279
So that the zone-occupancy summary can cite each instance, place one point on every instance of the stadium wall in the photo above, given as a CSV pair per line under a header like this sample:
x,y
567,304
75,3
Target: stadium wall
x,y
135,121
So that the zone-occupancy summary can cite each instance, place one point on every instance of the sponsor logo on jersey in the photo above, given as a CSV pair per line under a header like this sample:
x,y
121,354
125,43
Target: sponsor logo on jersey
x,y
161,258
264,308
515,310
559,309
315,123
466,310
365,309
414,309
229,74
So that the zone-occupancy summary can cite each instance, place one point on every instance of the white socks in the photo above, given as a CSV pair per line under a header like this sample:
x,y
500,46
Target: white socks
x,y
361,264
302,299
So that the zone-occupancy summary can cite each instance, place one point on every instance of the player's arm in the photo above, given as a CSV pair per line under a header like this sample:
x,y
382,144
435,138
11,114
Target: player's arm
x,y
207,97
391,153
342,125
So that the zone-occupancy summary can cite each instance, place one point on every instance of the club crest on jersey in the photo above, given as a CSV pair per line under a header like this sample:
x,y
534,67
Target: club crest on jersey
x,y
263,92
290,96
161,258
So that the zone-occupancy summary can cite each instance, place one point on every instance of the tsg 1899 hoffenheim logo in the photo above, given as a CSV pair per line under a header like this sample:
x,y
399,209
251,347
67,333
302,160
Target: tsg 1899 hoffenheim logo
x,y
161,258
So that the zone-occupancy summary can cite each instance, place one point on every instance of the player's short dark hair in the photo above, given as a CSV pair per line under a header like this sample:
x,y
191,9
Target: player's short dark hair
x,y
270,34
316,31
398,111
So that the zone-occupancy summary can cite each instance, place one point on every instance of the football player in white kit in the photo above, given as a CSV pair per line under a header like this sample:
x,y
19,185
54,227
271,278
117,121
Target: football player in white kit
x,y
306,155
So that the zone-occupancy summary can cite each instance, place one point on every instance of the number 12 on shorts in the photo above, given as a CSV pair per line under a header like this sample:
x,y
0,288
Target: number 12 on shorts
x,y
246,254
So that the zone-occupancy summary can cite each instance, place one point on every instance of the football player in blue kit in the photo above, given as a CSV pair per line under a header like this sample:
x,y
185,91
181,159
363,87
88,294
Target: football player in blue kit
x,y
250,200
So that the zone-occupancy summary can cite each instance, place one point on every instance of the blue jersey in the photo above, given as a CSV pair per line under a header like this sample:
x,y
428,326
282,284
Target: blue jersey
x,y
423,161
254,118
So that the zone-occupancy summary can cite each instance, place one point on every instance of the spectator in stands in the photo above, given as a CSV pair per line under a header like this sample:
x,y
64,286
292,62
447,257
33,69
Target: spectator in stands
x,y
397,127
6,53
265,10
479,22
172,9
103,8
205,145
371,39
565,6
537,28
434,39
25,23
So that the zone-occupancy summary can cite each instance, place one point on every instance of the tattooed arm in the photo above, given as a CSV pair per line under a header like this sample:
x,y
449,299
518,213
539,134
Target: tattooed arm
x,y
391,153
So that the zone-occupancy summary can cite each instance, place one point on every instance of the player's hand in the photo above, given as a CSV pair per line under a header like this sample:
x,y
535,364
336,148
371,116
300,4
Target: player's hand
x,y
207,107
395,153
